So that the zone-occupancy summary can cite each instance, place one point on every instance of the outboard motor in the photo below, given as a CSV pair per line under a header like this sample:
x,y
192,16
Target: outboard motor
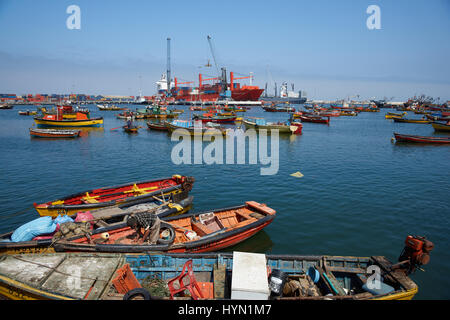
x,y
415,253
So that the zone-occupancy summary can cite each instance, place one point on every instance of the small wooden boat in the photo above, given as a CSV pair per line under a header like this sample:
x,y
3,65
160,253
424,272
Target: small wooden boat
x,y
131,129
53,133
411,120
186,127
27,113
160,126
212,117
261,124
348,113
391,115
314,119
278,109
213,276
437,117
193,232
110,107
102,221
6,106
421,139
81,120
157,112
110,196
439,126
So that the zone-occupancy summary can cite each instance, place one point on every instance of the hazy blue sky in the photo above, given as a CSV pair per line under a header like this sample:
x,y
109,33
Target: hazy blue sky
x,y
324,46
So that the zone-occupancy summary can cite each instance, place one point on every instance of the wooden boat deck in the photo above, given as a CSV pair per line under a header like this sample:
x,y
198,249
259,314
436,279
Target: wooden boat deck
x,y
58,276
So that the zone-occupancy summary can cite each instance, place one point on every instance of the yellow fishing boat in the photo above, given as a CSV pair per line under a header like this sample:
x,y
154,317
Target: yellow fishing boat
x,y
117,195
392,115
81,120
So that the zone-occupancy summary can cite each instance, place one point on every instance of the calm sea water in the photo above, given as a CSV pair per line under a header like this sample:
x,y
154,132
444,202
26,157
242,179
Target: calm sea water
x,y
360,195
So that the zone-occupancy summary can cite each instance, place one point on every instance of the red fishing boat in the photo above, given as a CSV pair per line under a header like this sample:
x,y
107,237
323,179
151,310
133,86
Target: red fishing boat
x,y
420,139
314,119
51,133
195,232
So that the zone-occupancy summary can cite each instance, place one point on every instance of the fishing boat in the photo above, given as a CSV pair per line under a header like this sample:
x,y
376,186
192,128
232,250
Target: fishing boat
x,y
159,126
411,120
274,108
99,222
81,120
157,112
130,129
261,124
348,113
212,276
391,115
195,128
109,107
53,133
27,113
438,126
421,139
6,106
314,119
437,117
212,117
110,196
192,232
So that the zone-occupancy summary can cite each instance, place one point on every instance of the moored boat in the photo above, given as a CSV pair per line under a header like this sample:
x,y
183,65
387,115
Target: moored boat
x,y
6,106
391,115
212,117
110,107
424,121
160,126
439,126
421,139
195,128
81,120
53,133
193,232
99,222
109,196
27,113
112,276
282,127
314,119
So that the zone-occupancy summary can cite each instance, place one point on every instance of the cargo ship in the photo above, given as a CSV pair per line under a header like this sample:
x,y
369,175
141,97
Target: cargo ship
x,y
285,96
205,92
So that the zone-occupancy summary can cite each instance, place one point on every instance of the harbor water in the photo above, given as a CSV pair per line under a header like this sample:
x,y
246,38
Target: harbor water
x,y
361,193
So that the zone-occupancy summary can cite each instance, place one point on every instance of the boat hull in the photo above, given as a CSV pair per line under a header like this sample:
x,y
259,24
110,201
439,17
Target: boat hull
x,y
440,126
116,195
421,139
97,122
268,127
42,133
46,276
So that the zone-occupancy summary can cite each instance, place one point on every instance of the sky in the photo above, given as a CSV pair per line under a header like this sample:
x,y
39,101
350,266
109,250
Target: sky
x,y
323,47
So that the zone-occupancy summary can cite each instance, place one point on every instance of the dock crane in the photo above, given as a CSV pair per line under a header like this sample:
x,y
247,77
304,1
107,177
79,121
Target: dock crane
x,y
222,76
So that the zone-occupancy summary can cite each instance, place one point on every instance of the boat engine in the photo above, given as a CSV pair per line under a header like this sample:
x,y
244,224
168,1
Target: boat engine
x,y
415,253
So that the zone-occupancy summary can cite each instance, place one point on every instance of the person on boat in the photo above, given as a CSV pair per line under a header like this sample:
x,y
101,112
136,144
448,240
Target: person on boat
x,y
147,221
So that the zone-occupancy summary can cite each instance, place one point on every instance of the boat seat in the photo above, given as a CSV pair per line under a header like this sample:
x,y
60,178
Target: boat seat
x,y
177,284
88,199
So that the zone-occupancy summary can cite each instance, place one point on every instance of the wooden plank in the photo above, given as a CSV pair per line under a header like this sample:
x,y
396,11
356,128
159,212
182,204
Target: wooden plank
x,y
219,281
398,276
30,269
79,275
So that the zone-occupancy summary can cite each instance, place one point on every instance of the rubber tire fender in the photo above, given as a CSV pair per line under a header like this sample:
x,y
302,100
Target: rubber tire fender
x,y
137,292
171,239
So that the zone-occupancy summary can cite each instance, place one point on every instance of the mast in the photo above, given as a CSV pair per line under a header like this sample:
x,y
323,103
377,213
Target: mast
x,y
168,66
